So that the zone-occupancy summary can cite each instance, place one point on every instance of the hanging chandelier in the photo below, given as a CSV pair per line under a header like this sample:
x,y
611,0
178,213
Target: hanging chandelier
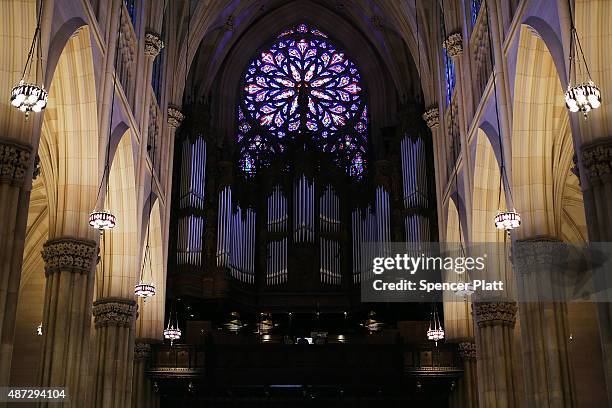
x,y
435,332
144,290
372,323
582,94
102,220
234,324
29,97
507,220
172,331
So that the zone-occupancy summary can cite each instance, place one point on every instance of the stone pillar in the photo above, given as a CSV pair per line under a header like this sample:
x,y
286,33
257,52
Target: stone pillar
x,y
69,266
431,116
544,326
114,320
143,392
596,158
494,344
466,393
15,160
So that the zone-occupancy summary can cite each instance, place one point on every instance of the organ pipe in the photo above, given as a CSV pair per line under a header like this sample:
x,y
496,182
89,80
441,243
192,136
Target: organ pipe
x,y
303,210
193,179
224,224
414,173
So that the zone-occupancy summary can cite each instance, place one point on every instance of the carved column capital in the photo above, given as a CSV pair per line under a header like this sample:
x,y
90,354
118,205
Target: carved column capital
x,y
432,117
453,45
69,254
467,350
153,44
175,117
597,160
14,161
142,351
114,312
537,255
493,313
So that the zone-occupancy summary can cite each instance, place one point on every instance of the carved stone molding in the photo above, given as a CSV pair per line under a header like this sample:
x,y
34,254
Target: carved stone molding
x,y
492,313
114,312
175,117
432,117
537,255
467,350
36,171
142,351
69,254
597,161
14,162
153,44
453,45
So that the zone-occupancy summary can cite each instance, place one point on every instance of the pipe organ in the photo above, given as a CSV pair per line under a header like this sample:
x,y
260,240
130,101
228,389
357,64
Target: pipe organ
x,y
318,227
191,203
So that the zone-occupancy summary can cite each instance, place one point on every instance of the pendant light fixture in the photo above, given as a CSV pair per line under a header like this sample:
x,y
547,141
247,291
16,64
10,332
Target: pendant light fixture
x,y
172,331
508,219
436,331
101,218
25,96
582,94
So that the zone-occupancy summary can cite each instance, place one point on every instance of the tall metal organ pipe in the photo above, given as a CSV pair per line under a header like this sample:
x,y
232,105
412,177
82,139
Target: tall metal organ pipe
x,y
329,249
278,216
303,209
192,188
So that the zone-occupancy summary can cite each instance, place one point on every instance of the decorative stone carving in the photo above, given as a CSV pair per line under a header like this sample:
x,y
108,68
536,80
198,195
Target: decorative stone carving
x,y
537,255
453,45
69,254
493,313
432,117
229,24
14,161
597,160
467,350
175,117
36,171
114,312
142,351
153,44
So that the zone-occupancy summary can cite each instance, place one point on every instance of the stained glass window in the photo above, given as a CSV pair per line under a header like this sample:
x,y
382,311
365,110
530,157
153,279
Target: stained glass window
x,y
449,74
131,7
302,83
475,10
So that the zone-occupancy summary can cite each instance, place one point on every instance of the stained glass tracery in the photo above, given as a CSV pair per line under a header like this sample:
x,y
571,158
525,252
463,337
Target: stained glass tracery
x,y
302,83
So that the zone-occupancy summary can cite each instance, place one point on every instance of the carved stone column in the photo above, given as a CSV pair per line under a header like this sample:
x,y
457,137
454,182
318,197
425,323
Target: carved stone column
x,y
114,320
597,192
494,339
544,325
15,159
143,392
466,393
69,266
